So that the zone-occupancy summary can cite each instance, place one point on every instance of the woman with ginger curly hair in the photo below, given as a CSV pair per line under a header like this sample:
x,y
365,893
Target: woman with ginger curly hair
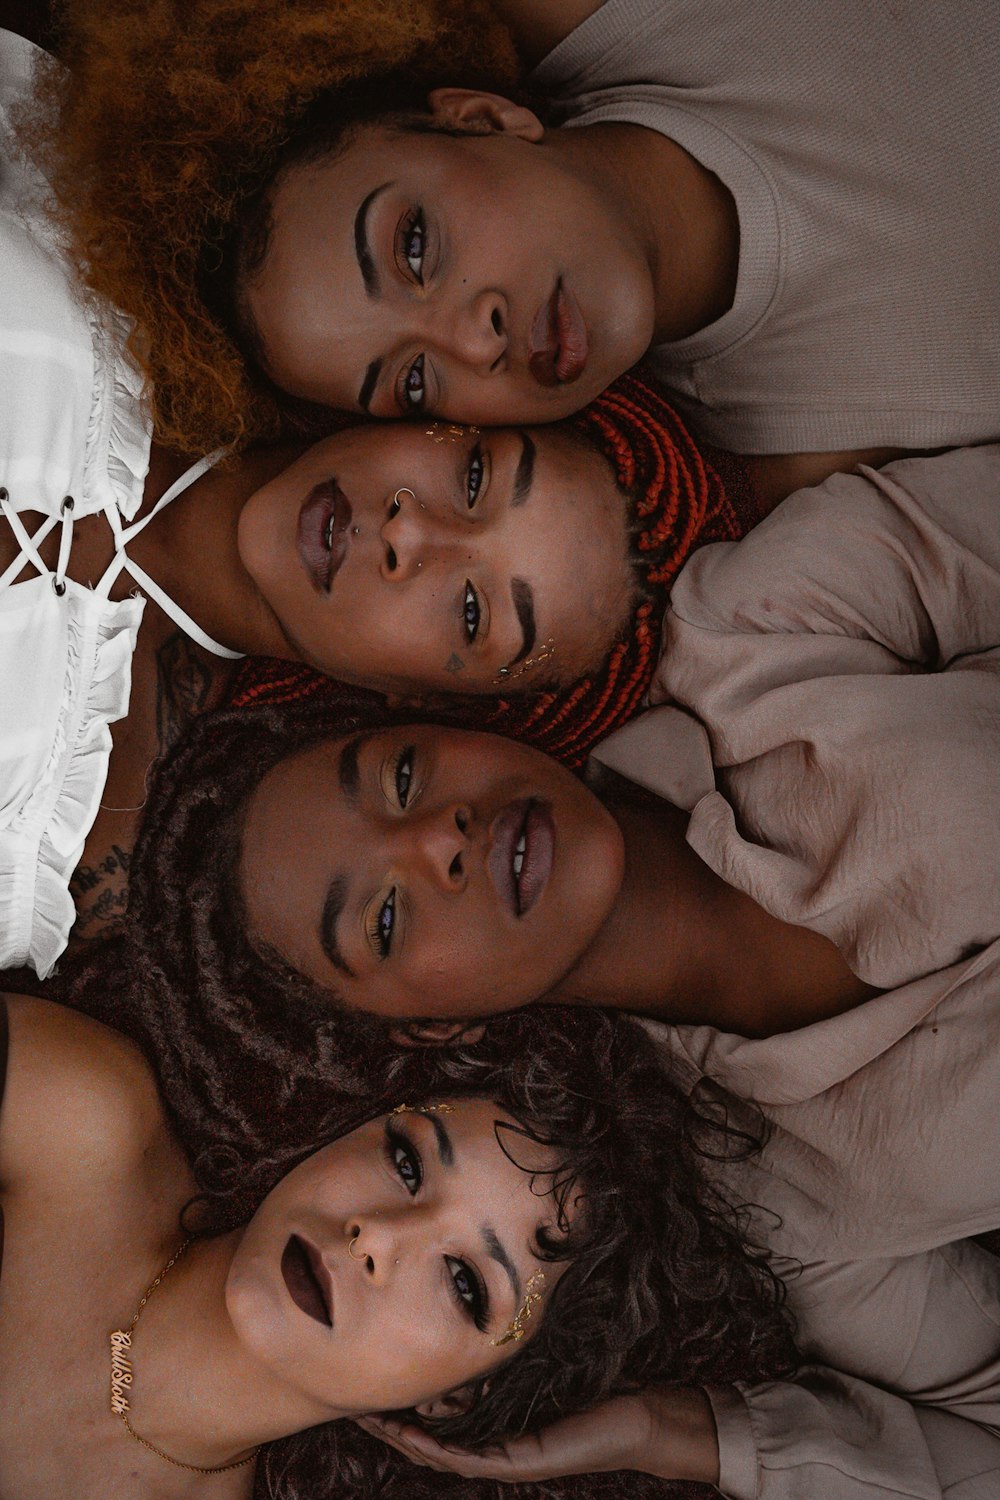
x,y
328,214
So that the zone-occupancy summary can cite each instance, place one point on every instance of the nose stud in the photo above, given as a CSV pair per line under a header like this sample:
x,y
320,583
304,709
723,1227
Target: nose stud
x,y
351,1245
355,530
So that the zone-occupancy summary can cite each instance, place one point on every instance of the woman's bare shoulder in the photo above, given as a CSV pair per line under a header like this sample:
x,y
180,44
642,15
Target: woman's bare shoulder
x,y
79,1098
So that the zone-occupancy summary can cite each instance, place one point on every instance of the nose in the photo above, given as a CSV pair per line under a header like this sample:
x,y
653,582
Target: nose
x,y
415,533
373,1241
440,841
479,333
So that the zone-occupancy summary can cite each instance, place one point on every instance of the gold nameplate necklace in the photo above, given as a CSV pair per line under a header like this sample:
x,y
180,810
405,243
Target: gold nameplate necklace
x,y
121,1381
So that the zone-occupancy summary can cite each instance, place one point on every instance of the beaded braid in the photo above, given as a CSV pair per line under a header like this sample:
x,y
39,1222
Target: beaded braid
x,y
677,502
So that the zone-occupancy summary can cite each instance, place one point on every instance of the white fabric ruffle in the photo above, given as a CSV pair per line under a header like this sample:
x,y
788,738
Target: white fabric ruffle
x,y
42,837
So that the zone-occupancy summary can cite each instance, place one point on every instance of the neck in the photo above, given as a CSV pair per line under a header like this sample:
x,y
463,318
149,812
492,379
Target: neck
x,y
197,1393
192,552
685,947
682,214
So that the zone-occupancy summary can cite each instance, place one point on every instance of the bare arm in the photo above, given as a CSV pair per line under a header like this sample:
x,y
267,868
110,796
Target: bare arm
x,y
539,25
824,1436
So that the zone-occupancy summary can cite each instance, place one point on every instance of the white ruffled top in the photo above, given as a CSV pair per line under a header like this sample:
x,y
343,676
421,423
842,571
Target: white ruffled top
x,y
74,440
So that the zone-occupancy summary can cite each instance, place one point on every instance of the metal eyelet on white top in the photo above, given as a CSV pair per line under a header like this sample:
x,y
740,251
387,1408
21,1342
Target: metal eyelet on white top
x,y
58,588
4,495
67,504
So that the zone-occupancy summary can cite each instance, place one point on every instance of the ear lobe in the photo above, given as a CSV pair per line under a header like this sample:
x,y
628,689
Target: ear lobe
x,y
452,1404
485,113
435,1033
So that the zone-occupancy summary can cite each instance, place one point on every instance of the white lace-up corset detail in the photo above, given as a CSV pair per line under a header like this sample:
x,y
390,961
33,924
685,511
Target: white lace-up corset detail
x,y
65,678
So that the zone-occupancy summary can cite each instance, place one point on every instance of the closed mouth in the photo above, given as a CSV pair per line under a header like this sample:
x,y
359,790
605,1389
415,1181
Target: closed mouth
x,y
559,346
522,849
307,1280
321,535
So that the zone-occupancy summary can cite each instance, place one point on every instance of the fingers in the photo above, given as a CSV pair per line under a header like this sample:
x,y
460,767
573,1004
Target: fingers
x,y
420,1448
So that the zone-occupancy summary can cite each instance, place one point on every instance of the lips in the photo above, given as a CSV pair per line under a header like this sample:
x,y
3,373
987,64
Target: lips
x,y
523,841
321,535
558,347
308,1280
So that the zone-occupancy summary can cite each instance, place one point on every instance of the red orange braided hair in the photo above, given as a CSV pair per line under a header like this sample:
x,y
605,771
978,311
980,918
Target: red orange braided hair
x,y
678,500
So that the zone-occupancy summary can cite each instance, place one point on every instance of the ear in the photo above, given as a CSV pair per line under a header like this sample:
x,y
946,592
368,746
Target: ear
x,y
486,113
452,1404
435,1033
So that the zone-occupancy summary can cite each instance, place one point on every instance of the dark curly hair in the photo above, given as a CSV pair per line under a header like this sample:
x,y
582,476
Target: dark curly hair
x,y
662,1285
153,215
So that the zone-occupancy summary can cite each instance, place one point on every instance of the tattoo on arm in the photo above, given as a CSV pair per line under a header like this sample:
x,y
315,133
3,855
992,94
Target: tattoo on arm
x,y
184,686
101,893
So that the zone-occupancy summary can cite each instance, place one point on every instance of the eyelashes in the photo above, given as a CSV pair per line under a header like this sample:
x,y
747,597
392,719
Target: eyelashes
x,y
468,1290
474,476
403,1157
404,774
413,244
471,613
383,924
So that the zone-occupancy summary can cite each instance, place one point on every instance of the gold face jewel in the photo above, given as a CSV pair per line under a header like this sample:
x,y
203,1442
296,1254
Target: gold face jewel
x,y
507,674
423,1109
453,433
515,1332
121,1381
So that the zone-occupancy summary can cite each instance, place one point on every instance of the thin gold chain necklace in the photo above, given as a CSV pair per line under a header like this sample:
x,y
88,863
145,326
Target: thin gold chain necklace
x,y
121,1380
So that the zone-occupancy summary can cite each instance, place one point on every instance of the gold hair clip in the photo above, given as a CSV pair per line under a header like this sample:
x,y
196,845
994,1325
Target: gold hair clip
x,y
452,434
516,1330
507,674
423,1109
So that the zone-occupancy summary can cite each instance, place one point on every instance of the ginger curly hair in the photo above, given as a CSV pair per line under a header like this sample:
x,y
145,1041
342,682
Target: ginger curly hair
x,y
162,119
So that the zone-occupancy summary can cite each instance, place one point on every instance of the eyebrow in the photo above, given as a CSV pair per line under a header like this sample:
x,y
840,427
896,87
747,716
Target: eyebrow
x,y
496,1252
347,767
362,248
369,383
446,1150
524,605
525,471
336,898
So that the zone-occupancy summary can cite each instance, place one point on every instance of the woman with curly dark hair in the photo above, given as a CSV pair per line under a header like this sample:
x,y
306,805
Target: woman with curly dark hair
x,y
490,1238
859,1183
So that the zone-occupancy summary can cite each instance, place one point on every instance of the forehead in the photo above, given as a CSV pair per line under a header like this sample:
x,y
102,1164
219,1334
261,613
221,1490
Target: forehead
x,y
307,294
316,206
